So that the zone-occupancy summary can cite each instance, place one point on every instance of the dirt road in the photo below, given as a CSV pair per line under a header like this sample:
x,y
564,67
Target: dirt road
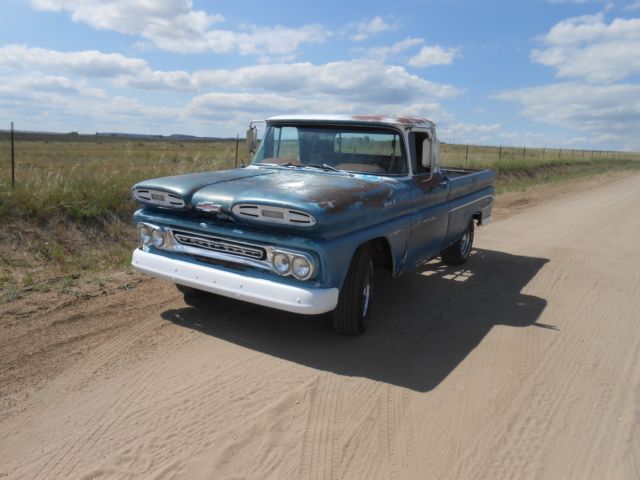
x,y
524,364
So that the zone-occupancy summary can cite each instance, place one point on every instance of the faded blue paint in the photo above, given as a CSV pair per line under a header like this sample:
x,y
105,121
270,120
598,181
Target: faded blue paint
x,y
412,214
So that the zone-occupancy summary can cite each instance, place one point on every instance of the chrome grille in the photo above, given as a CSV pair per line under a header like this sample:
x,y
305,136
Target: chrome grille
x,y
158,197
273,214
217,244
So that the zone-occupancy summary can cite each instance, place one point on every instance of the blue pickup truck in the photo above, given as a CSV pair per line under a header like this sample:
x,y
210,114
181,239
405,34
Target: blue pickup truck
x,y
325,201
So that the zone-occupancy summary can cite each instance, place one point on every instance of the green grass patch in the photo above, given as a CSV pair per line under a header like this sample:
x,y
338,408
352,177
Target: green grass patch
x,y
11,293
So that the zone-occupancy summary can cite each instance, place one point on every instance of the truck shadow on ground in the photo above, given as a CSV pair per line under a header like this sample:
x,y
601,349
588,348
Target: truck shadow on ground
x,y
423,324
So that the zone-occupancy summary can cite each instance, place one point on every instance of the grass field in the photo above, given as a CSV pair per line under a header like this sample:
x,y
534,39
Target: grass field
x,y
92,179
88,180
69,217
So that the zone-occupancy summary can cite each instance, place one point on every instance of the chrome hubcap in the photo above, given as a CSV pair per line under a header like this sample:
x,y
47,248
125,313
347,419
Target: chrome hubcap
x,y
366,292
465,243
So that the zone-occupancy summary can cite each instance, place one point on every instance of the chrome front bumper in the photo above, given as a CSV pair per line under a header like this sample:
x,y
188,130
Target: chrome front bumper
x,y
307,301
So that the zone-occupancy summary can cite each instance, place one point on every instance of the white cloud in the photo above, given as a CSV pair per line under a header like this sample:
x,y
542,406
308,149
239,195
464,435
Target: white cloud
x,y
367,28
127,71
589,48
354,79
382,53
173,25
88,62
357,80
241,108
146,79
27,78
357,86
61,109
606,113
36,84
434,55
471,133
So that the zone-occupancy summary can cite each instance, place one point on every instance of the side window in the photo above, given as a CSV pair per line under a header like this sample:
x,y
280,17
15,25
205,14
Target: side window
x,y
285,143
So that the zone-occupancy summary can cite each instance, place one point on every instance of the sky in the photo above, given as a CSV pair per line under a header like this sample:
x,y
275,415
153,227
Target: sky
x,y
546,73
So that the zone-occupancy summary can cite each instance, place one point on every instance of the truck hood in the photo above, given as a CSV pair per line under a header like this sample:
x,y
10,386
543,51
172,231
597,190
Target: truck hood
x,y
338,202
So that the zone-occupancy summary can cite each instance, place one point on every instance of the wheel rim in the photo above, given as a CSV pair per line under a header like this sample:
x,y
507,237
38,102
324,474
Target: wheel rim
x,y
465,243
366,292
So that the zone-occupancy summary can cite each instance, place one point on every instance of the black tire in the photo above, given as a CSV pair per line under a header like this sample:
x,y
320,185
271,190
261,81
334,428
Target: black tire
x,y
189,291
458,253
352,313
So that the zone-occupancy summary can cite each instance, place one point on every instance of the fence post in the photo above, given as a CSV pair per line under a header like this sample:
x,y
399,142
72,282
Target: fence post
x,y
235,161
524,153
13,160
466,157
543,150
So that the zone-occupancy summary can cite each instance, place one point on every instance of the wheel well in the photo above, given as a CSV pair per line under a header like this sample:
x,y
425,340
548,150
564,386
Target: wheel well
x,y
381,253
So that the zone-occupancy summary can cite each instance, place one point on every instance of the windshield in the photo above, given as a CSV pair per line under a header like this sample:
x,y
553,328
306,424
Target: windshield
x,y
360,150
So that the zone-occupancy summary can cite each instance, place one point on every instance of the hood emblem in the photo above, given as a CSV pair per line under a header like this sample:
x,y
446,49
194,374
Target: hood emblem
x,y
208,207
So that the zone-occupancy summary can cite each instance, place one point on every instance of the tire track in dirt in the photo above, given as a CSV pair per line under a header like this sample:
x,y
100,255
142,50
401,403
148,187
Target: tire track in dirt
x,y
104,417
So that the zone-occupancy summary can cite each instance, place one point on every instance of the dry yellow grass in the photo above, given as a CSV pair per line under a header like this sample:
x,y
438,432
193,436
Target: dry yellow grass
x,y
91,177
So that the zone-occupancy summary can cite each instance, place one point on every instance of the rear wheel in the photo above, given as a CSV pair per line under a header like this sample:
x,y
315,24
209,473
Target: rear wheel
x,y
352,313
458,253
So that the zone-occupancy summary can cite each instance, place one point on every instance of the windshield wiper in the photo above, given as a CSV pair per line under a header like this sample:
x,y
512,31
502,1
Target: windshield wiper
x,y
288,164
323,166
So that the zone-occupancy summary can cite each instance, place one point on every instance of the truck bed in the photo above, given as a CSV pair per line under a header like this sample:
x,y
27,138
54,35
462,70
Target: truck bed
x,y
467,181
459,172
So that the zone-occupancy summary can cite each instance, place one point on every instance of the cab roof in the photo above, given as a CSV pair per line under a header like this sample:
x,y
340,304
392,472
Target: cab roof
x,y
392,120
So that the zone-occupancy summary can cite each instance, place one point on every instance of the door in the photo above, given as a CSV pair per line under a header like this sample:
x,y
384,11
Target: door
x,y
431,215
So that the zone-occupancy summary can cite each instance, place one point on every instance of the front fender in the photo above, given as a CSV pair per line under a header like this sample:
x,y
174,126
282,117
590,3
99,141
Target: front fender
x,y
336,254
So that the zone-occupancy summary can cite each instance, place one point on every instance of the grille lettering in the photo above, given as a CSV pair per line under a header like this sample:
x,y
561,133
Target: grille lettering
x,y
221,245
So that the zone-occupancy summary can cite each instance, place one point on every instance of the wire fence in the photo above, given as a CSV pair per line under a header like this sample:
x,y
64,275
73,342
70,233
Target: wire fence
x,y
31,159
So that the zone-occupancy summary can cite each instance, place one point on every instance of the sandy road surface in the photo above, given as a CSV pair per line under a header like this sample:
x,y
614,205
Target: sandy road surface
x,y
525,364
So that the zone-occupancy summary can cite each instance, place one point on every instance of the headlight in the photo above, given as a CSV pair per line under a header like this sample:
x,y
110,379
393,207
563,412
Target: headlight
x,y
301,268
144,234
158,238
281,263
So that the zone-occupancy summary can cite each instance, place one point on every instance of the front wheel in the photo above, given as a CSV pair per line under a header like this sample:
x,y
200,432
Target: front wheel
x,y
352,313
458,253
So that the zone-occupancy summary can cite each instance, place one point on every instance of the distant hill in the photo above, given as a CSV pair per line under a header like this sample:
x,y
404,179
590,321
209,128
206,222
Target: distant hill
x,y
106,136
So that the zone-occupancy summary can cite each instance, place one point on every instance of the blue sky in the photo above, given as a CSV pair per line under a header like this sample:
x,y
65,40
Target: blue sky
x,y
560,73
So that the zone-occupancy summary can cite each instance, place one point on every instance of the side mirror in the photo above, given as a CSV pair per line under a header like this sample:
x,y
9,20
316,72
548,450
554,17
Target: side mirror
x,y
252,139
430,154
427,153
